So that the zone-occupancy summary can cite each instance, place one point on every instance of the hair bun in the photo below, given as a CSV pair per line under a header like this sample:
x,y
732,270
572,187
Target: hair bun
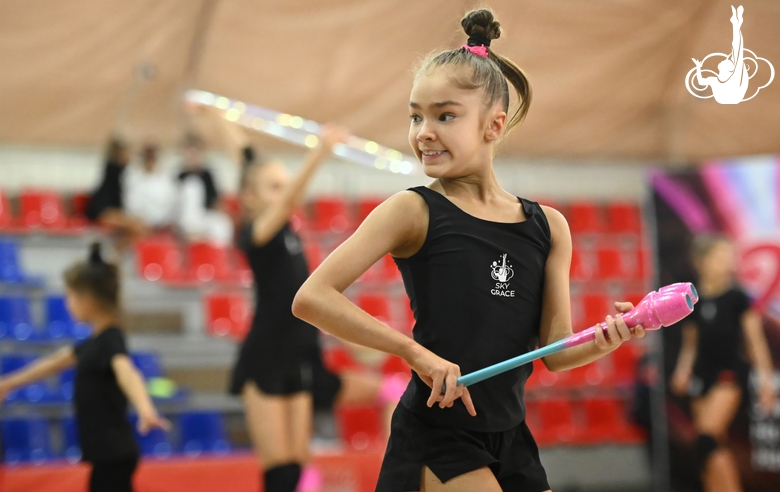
x,y
95,257
480,24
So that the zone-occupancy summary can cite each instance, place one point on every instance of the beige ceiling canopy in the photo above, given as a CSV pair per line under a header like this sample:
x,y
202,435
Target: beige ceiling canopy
x,y
608,75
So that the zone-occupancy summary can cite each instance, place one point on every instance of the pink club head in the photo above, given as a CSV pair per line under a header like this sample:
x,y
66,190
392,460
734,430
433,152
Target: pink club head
x,y
684,287
660,309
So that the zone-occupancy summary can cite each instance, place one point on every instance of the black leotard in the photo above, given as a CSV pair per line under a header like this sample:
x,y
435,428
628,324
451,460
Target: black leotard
x,y
476,291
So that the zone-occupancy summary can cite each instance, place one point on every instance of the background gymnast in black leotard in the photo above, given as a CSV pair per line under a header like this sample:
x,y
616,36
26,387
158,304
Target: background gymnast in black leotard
x,y
720,338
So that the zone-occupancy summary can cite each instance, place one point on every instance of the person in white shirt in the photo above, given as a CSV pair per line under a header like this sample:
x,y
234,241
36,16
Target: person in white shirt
x,y
151,193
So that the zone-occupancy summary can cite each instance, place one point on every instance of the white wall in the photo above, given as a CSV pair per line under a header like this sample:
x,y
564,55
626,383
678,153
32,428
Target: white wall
x,y
79,169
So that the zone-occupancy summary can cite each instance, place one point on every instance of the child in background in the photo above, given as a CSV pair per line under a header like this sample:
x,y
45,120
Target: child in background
x,y
105,378
712,368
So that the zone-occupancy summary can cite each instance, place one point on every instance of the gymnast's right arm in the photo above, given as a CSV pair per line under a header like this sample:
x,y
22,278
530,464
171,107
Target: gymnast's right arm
x,y
270,222
41,368
399,227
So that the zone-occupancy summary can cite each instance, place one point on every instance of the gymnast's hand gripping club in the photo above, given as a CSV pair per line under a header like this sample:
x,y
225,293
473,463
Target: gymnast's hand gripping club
x,y
666,307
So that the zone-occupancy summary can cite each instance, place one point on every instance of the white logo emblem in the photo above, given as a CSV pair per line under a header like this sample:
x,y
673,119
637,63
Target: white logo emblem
x,y
501,273
292,244
730,84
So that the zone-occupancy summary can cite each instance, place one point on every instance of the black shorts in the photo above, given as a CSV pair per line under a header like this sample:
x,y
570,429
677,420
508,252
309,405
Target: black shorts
x,y
281,379
325,384
704,377
450,452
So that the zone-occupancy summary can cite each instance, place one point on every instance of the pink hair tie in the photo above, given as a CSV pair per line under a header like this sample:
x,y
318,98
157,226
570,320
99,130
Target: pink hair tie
x,y
480,50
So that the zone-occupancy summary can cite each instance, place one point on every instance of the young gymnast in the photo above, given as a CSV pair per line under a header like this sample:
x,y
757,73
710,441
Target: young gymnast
x,y
105,378
487,275
268,192
711,366
273,374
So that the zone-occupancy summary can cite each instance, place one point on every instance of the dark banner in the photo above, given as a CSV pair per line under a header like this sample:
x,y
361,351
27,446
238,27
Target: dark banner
x,y
740,199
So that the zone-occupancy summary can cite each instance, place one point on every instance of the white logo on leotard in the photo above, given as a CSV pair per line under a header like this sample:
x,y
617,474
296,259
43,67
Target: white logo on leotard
x,y
501,272
730,84
292,244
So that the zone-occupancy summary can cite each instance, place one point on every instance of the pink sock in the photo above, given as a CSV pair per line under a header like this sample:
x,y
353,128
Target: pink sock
x,y
311,479
393,387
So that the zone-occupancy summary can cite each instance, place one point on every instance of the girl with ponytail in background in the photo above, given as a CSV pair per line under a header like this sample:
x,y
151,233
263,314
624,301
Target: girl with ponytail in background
x,y
105,377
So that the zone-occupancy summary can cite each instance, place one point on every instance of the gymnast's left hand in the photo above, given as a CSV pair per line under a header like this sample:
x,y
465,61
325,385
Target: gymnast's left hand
x,y
150,419
437,372
617,331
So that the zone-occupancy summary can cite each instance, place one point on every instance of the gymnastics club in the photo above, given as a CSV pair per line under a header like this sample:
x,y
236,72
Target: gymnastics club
x,y
663,308
305,132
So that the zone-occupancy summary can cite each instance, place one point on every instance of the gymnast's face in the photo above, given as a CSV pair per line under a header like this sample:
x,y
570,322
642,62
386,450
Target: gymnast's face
x,y
719,262
451,130
265,186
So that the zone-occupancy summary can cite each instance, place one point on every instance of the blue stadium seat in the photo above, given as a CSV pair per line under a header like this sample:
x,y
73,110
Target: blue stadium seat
x,y
65,389
26,440
35,392
148,363
203,432
10,271
60,324
71,448
156,443
15,319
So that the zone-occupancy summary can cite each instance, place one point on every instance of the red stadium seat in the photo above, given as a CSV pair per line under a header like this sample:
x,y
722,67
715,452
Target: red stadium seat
x,y
606,422
624,362
338,359
314,255
596,307
555,421
360,427
394,364
644,267
584,218
209,263
407,321
390,270
158,259
79,203
331,214
611,264
624,217
377,306
7,219
228,315
42,209
581,266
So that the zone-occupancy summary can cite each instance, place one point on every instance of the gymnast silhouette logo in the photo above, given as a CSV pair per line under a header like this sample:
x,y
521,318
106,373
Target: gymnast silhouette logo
x,y
730,84
501,272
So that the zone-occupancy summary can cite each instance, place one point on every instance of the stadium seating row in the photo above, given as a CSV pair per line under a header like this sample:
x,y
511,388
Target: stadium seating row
x,y
16,320
553,421
29,439
47,209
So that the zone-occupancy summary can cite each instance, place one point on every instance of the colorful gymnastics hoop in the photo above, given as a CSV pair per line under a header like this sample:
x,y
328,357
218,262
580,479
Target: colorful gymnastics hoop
x,y
303,132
